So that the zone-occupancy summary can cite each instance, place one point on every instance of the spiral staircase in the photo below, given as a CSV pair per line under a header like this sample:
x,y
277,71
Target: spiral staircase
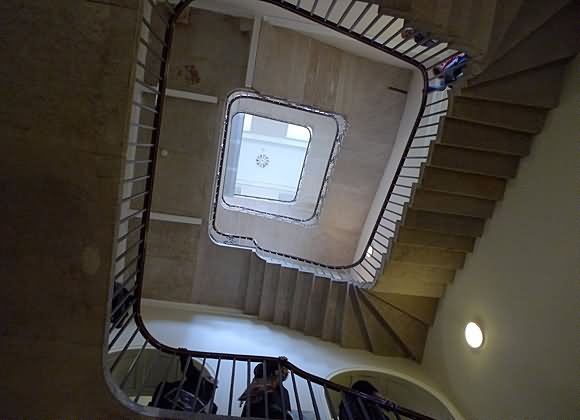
x,y
514,80
52,345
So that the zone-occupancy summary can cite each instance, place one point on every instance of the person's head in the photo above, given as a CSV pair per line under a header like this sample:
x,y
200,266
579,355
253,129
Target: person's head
x,y
408,32
436,70
366,388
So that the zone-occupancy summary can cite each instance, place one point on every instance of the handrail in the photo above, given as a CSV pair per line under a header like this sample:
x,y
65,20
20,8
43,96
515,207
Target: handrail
x,y
134,219
381,234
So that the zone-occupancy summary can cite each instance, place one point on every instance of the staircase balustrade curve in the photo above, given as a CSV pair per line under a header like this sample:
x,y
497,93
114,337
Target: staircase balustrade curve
x,y
126,330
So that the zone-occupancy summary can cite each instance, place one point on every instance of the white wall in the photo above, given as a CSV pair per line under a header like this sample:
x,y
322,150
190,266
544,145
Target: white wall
x,y
186,326
412,108
522,283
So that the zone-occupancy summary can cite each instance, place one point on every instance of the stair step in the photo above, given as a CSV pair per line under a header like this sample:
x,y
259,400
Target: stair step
x,y
532,15
460,183
353,334
334,311
539,87
411,332
499,114
478,136
432,257
443,223
411,285
473,161
302,293
506,13
440,202
269,290
435,240
397,271
555,40
285,295
419,307
317,306
254,285
383,341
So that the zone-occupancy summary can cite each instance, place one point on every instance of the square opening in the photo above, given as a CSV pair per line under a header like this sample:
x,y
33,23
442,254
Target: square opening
x,y
266,157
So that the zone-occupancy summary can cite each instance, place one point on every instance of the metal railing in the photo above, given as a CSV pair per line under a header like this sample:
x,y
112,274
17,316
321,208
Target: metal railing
x,y
128,338
361,21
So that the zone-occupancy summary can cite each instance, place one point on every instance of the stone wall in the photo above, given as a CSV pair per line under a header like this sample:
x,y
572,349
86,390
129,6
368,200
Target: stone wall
x,y
66,80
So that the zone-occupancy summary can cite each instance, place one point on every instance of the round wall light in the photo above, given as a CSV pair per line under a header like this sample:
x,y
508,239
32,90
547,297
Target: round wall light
x,y
473,335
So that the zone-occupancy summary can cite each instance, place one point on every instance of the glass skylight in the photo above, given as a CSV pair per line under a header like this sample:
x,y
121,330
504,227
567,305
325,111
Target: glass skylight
x,y
266,157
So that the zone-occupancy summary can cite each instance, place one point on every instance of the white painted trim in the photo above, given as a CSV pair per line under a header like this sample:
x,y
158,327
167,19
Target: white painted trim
x,y
165,217
194,307
198,97
253,51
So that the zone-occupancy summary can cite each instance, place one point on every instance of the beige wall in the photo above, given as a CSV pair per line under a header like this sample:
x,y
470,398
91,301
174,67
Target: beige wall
x,y
521,282
66,82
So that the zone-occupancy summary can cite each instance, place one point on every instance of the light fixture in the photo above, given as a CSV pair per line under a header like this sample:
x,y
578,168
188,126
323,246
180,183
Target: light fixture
x,y
473,335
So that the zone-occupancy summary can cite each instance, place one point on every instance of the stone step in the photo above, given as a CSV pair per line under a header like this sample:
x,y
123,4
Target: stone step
x,y
383,341
254,285
432,257
419,307
539,87
435,240
269,290
414,280
555,40
285,295
334,311
460,183
498,114
477,136
408,331
440,202
317,306
473,161
302,293
443,223
531,15
353,333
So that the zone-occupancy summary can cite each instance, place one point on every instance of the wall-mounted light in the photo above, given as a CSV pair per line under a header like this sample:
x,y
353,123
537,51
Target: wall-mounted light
x,y
473,335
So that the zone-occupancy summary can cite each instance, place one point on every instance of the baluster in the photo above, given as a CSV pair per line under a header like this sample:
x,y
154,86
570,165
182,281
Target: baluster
x,y
264,378
248,404
232,379
165,377
199,378
133,365
281,388
314,404
215,381
124,349
147,375
296,397
183,378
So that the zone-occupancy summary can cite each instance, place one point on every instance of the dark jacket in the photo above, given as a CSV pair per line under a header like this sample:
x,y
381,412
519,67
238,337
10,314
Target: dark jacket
x,y
185,399
274,404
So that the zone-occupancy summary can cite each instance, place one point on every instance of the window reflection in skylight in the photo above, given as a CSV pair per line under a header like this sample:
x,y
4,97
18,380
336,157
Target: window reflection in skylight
x,y
266,158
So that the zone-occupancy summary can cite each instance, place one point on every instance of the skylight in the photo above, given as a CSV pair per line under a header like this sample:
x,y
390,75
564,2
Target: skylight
x,y
268,157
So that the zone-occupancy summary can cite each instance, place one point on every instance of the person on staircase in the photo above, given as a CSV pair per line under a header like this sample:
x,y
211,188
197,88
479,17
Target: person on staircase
x,y
447,72
422,38
266,396
355,408
195,395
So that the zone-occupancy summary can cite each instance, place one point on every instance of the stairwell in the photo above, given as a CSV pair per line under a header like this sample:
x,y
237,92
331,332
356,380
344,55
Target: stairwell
x,y
489,127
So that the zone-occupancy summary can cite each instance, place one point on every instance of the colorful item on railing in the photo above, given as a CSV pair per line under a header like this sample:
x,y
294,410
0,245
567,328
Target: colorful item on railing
x,y
448,72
